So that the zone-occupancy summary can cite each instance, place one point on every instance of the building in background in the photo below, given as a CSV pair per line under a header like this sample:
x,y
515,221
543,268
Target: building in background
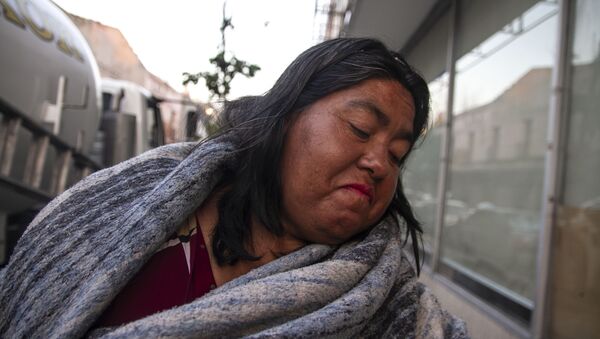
x,y
330,18
506,181
117,60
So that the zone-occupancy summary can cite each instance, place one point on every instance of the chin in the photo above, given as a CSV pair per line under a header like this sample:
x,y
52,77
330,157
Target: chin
x,y
330,237
333,241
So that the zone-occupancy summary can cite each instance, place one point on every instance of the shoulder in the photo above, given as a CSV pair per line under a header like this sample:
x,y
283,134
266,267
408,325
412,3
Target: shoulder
x,y
167,154
145,169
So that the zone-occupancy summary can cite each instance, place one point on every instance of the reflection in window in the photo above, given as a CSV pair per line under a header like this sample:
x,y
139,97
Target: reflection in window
x,y
576,265
422,170
495,189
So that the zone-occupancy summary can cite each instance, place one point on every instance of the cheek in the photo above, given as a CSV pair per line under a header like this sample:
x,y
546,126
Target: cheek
x,y
313,154
391,189
300,173
387,195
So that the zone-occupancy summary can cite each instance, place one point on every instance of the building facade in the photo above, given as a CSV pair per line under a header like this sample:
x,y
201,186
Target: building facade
x,y
506,181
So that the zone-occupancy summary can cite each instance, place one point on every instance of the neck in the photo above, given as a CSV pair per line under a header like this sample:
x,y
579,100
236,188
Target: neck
x,y
262,243
267,245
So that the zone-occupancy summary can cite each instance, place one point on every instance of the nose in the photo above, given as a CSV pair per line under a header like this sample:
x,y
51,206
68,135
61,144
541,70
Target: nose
x,y
376,162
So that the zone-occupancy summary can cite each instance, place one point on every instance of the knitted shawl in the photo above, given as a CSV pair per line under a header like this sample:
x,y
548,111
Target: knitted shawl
x,y
83,247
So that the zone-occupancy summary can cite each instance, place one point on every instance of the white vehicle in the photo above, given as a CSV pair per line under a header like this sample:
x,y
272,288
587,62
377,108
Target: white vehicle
x,y
54,130
50,109
138,118
49,73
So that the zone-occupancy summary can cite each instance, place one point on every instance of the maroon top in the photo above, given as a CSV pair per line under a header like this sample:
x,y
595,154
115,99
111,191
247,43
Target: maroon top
x,y
176,274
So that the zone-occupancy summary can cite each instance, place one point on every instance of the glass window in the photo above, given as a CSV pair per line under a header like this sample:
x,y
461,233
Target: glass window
x,y
422,169
575,291
494,192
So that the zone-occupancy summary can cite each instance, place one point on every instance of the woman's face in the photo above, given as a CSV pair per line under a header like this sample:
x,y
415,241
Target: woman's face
x,y
340,162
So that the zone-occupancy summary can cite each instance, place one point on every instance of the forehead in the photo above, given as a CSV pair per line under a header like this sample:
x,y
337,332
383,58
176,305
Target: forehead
x,y
387,96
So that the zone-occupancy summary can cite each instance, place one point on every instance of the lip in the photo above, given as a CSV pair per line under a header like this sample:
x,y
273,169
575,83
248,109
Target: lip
x,y
362,189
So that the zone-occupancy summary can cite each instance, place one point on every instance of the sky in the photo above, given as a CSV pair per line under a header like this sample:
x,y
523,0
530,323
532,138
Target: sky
x,y
535,48
176,36
481,79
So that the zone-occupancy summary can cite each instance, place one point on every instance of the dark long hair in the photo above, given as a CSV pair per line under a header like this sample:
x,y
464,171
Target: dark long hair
x,y
259,125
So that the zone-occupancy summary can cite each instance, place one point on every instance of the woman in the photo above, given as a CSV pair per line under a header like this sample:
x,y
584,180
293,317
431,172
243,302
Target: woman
x,y
297,201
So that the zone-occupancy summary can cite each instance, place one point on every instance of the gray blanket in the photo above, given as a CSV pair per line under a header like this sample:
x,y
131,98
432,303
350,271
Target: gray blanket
x,y
86,244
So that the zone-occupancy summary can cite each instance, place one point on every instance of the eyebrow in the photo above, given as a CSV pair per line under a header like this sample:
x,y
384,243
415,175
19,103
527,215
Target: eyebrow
x,y
382,118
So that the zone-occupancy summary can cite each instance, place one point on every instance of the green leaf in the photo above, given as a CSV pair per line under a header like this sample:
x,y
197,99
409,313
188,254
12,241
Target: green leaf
x,y
219,81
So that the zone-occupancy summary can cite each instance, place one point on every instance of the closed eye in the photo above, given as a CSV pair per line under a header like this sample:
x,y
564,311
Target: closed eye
x,y
359,132
396,160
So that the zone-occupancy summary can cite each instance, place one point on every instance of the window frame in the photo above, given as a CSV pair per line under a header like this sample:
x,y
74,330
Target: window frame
x,y
506,309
